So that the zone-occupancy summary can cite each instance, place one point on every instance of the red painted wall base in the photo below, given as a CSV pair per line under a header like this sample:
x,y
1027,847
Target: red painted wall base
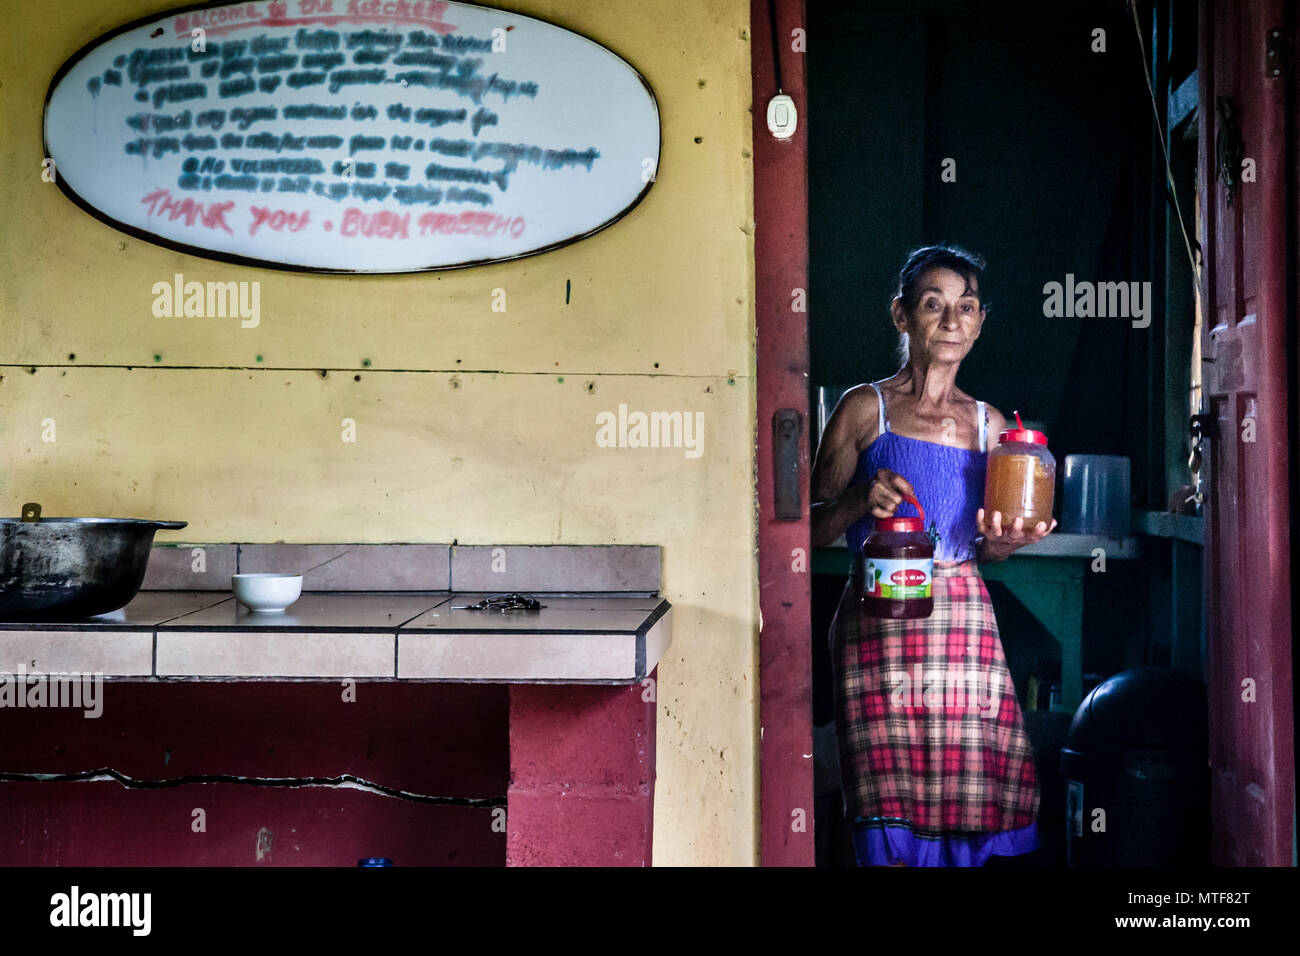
x,y
446,740
570,770
582,775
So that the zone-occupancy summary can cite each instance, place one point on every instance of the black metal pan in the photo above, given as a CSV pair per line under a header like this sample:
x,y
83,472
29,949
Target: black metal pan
x,y
70,568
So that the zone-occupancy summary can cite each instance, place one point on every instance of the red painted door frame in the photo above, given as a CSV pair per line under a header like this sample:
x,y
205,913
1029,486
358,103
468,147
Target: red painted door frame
x,y
1247,553
784,555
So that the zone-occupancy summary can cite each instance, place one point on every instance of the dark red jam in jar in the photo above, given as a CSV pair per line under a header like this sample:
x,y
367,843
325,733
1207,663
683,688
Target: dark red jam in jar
x,y
898,568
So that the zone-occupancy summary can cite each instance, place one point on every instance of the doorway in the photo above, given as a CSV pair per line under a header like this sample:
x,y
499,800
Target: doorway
x,y
1026,134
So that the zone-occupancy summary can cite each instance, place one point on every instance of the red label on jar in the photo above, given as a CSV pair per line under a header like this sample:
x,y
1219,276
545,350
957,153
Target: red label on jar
x,y
899,579
908,577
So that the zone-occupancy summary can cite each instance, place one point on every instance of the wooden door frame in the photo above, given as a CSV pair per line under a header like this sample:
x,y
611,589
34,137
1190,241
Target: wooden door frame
x,y
1253,814
781,268
781,374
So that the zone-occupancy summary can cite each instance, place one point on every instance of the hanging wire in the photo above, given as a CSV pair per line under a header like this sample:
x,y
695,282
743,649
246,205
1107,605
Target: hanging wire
x,y
1171,192
776,46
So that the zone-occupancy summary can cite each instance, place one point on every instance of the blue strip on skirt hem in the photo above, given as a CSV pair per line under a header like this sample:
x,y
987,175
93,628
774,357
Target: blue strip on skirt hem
x,y
881,843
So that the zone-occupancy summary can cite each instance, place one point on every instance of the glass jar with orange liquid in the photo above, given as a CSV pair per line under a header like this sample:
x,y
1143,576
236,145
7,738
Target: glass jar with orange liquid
x,y
1021,478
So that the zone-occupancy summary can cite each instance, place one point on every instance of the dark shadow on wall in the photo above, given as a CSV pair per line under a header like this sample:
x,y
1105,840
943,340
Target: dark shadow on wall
x,y
1049,144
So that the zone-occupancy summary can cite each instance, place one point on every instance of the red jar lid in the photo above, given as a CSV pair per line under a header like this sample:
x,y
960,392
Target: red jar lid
x,y
1024,435
904,524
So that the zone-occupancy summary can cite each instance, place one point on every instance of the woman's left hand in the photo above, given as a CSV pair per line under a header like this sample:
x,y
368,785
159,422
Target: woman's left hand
x,y
1000,543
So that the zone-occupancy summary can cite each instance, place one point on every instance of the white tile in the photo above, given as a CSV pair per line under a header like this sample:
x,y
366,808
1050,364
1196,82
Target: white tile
x,y
111,653
353,567
274,654
146,609
657,640
557,567
172,567
593,602
336,611
517,657
549,618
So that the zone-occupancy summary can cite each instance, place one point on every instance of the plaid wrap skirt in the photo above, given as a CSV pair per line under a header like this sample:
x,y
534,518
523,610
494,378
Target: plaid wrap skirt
x,y
936,766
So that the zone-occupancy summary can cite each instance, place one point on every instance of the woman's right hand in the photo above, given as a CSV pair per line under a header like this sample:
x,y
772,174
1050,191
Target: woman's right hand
x,y
885,492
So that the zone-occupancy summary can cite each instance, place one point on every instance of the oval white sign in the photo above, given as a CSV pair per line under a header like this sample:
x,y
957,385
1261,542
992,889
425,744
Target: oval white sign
x,y
352,135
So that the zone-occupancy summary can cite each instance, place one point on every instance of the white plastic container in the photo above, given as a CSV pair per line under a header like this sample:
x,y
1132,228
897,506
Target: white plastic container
x,y
1097,495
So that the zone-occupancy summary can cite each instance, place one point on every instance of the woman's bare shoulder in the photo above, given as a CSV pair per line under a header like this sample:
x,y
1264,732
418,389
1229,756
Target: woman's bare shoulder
x,y
997,421
857,395
853,422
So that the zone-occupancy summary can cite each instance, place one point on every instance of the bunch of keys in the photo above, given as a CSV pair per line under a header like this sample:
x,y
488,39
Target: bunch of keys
x,y
513,601
1200,426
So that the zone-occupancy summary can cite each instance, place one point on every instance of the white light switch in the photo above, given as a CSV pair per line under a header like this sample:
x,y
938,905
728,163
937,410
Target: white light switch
x,y
782,116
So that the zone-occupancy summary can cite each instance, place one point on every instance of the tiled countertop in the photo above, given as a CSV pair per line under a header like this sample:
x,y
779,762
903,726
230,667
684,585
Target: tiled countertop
x,y
604,638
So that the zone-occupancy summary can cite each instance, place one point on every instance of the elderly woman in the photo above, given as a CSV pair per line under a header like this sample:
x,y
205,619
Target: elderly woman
x,y
931,777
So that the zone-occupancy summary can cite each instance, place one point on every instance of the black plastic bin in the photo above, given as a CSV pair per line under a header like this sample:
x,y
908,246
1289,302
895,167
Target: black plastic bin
x,y
1136,771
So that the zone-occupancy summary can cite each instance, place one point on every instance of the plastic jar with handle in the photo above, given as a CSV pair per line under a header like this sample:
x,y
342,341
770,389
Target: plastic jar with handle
x,y
898,567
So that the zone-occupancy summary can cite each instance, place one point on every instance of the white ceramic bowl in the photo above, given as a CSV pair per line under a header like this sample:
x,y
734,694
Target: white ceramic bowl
x,y
266,593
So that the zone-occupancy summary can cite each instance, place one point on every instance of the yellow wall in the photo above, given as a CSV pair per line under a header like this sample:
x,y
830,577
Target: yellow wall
x,y
471,424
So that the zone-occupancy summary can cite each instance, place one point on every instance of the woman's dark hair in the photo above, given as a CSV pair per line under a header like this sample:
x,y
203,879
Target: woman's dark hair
x,y
968,265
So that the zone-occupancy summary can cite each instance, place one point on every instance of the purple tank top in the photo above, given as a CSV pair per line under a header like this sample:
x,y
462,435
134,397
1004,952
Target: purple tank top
x,y
949,483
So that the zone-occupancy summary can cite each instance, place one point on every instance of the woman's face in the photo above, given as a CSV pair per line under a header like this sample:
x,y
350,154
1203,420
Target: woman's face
x,y
947,318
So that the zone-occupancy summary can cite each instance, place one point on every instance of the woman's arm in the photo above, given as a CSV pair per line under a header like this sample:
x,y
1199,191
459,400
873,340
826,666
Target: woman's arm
x,y
835,505
997,543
